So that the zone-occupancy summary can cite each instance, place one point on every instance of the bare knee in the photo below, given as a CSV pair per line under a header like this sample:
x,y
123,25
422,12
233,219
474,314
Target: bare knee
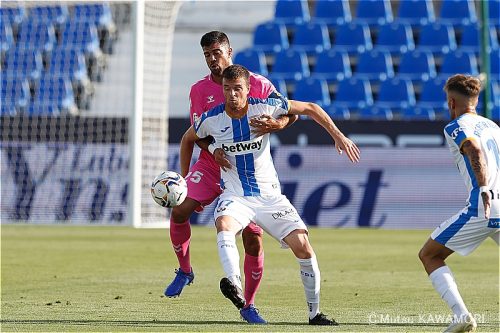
x,y
298,242
252,243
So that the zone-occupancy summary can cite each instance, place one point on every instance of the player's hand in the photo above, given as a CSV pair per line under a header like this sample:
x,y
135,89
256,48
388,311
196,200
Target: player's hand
x,y
265,124
486,203
344,144
220,158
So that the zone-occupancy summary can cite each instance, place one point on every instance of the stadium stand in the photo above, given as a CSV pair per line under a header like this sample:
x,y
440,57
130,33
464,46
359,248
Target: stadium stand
x,y
357,47
51,53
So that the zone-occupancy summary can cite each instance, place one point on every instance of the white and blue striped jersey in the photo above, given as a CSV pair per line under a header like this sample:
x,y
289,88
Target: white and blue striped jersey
x,y
252,172
470,126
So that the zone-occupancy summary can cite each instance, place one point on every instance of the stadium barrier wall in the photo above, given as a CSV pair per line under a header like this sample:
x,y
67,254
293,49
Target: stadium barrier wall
x,y
398,188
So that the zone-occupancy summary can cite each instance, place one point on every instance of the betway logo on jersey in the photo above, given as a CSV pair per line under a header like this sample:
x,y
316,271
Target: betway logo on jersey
x,y
244,147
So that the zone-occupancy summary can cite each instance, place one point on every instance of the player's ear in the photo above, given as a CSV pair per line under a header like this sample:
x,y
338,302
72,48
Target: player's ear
x,y
230,52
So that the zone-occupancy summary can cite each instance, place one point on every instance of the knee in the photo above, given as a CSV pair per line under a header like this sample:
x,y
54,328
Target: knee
x,y
252,243
304,252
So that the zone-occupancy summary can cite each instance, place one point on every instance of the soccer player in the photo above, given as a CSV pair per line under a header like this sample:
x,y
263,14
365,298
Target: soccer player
x,y
204,177
474,142
251,189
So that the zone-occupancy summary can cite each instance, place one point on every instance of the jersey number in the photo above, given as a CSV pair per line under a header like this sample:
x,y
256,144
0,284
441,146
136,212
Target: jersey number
x,y
194,177
493,147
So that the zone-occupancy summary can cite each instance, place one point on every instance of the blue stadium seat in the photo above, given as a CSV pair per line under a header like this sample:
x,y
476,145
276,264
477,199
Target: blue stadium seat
x,y
290,65
374,12
353,38
332,66
353,93
53,95
291,12
494,97
494,13
280,86
50,14
397,38
459,62
312,90
253,60
495,113
433,96
70,63
338,113
395,94
375,65
375,113
21,63
311,37
15,95
437,38
416,12
99,14
35,35
80,35
418,113
270,37
417,66
13,15
470,39
458,12
332,12
6,37
494,64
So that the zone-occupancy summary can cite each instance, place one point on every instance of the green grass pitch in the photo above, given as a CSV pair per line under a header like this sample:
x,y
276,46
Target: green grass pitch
x,y
111,279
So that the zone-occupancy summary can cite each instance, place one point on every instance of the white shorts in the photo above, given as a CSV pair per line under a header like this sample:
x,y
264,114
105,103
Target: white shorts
x,y
465,231
276,215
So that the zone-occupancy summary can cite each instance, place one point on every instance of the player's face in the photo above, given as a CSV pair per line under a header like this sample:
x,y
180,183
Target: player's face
x,y
235,93
217,57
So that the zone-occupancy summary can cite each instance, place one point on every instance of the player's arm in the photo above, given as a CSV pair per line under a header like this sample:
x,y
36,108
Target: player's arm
x,y
472,150
267,124
313,110
186,150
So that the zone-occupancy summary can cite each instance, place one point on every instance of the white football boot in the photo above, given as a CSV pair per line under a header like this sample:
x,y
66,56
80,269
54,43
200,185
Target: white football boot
x,y
465,323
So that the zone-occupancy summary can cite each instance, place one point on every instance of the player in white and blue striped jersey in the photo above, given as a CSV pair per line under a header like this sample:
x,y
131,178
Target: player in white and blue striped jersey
x,y
251,188
474,142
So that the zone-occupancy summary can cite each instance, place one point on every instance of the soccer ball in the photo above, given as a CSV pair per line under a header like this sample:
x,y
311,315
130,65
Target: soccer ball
x,y
169,189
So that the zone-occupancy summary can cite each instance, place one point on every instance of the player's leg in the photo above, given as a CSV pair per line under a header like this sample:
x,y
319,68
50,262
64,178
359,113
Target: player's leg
x,y
462,233
280,218
310,275
203,188
254,261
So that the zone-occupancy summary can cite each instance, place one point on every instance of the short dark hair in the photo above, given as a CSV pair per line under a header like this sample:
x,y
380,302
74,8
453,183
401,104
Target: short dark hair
x,y
214,37
235,72
466,85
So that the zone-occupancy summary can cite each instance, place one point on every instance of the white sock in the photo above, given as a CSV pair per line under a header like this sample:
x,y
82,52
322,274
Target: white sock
x,y
444,283
311,277
229,256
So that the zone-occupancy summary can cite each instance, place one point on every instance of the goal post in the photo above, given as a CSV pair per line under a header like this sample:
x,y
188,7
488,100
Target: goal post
x,y
154,29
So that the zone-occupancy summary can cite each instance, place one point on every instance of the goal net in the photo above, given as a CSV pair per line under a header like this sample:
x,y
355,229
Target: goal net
x,y
84,110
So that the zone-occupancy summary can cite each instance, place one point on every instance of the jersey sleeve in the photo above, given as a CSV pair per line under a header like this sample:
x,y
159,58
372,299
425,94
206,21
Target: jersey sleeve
x,y
458,134
200,126
278,106
195,105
